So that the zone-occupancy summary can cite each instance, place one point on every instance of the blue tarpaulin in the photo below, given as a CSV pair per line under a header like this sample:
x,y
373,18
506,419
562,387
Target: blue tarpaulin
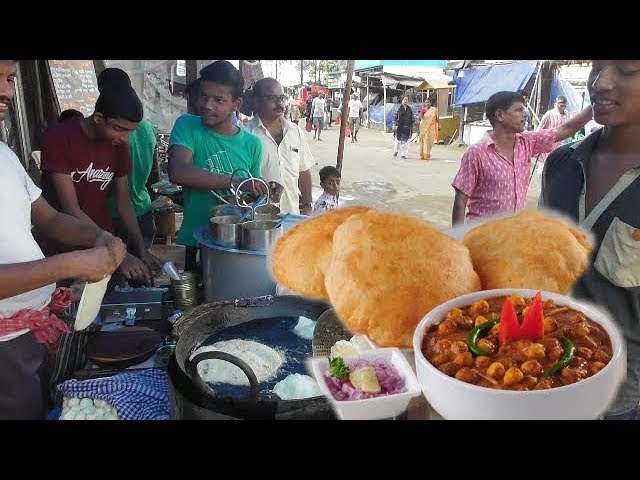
x,y
575,100
375,113
480,82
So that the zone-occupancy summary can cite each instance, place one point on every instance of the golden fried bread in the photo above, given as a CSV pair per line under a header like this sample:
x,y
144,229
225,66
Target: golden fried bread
x,y
388,270
528,250
303,254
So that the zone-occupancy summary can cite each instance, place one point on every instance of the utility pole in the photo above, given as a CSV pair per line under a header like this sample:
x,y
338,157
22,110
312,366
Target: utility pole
x,y
345,113
301,72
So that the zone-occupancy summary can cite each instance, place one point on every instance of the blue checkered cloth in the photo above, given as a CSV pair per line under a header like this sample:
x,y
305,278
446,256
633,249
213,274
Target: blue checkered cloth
x,y
136,396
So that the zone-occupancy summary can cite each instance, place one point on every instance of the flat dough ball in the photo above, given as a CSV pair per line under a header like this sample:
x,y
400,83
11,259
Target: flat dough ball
x,y
389,270
528,250
301,257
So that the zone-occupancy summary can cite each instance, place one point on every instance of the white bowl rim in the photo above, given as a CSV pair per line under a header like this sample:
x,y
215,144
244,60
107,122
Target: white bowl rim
x,y
407,374
592,311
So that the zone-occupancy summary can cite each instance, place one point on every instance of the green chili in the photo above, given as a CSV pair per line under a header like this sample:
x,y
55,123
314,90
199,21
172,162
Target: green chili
x,y
475,333
569,351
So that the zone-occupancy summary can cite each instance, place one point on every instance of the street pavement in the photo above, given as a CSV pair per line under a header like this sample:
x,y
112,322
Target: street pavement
x,y
372,176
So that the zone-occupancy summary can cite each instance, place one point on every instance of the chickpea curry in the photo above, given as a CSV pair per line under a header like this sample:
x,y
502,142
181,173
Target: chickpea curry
x,y
517,343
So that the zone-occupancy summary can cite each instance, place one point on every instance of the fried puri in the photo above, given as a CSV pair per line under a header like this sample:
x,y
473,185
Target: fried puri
x,y
388,270
528,250
303,254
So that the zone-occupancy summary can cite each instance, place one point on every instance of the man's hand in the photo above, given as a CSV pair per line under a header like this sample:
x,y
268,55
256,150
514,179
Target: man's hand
x,y
257,188
275,190
98,262
135,269
152,262
306,210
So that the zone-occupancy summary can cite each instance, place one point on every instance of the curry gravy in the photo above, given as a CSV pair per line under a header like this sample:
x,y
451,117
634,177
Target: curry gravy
x,y
521,363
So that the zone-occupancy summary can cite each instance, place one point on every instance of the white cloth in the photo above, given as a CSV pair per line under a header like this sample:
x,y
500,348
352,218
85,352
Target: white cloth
x,y
325,203
17,245
318,106
354,108
283,163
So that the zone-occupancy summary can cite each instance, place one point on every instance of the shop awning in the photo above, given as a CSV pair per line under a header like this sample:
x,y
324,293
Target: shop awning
x,y
478,83
435,83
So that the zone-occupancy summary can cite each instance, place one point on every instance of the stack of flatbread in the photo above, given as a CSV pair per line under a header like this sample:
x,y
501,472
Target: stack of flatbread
x,y
381,271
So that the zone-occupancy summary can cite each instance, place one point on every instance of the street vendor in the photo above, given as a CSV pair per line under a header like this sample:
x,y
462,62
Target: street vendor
x,y
287,159
206,149
83,161
29,331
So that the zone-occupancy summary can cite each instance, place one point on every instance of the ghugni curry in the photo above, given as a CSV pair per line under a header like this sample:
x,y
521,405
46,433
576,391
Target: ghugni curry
x,y
516,343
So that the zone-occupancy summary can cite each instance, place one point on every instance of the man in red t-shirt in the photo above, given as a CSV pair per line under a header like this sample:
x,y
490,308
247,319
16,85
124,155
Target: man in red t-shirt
x,y
83,160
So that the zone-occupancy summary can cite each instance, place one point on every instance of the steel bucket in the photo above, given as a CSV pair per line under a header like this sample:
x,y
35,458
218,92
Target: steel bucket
x,y
259,234
225,230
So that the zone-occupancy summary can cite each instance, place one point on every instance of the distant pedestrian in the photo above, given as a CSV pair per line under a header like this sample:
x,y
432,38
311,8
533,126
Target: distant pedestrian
x,y
355,107
294,110
318,107
428,129
402,127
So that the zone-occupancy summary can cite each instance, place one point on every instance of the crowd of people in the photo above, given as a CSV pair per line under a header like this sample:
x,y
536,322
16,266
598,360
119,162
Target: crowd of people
x,y
92,215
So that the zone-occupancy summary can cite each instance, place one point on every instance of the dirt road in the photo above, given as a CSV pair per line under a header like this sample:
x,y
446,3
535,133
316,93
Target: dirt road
x,y
372,176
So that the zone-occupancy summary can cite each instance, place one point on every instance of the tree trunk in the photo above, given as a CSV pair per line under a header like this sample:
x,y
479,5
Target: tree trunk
x,y
345,113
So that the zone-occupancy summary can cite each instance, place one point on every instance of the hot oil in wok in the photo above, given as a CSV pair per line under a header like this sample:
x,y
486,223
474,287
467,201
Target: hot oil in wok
x,y
276,333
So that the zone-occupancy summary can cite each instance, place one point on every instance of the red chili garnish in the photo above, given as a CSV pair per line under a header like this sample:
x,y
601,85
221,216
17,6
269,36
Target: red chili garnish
x,y
509,328
532,327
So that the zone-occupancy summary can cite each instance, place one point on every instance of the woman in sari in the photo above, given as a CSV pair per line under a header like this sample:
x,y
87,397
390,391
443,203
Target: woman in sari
x,y
428,129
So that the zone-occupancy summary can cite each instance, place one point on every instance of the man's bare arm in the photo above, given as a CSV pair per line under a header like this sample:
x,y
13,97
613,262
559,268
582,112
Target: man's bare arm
x,y
183,172
459,208
64,228
304,184
574,124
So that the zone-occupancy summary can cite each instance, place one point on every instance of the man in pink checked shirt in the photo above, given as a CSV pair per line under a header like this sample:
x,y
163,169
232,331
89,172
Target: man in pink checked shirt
x,y
494,172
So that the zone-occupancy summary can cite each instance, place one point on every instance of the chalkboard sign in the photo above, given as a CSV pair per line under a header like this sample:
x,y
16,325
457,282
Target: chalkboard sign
x,y
75,84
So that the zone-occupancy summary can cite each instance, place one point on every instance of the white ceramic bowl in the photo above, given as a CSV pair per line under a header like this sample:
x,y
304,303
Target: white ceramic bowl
x,y
371,408
583,400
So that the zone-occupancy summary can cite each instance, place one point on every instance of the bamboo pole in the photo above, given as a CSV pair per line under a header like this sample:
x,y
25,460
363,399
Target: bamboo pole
x,y
344,113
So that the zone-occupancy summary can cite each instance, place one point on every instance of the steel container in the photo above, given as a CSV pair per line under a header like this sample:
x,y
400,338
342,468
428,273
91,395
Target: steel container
x,y
225,230
259,234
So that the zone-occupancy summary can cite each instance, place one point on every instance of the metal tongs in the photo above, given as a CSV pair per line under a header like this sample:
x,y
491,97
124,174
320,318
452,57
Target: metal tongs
x,y
237,192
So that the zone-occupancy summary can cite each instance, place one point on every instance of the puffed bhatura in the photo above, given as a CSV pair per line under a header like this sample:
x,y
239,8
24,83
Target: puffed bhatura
x,y
528,250
303,254
388,270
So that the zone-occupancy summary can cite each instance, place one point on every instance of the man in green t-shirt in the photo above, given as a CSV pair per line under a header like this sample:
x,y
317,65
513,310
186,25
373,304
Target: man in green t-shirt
x,y
205,149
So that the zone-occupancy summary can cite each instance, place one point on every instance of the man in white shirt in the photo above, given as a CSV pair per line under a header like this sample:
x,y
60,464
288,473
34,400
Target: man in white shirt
x,y
27,280
318,106
355,106
286,157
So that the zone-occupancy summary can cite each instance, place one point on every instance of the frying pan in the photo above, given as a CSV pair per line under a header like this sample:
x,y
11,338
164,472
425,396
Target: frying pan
x,y
123,347
202,322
